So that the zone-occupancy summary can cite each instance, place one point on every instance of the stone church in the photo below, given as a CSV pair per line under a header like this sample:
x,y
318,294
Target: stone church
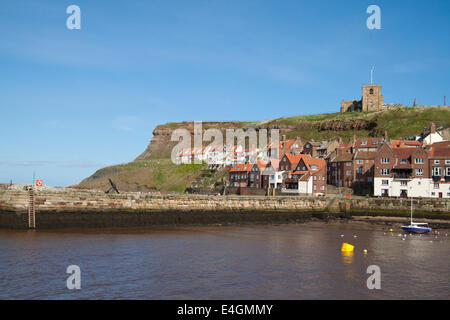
x,y
371,100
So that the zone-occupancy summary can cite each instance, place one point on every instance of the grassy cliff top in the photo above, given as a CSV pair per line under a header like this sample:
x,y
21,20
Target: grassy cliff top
x,y
399,123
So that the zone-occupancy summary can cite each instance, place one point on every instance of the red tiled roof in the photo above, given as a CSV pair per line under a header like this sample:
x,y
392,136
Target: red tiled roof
x,y
441,144
261,165
365,155
370,142
344,156
320,163
409,143
439,153
345,145
403,153
294,158
242,167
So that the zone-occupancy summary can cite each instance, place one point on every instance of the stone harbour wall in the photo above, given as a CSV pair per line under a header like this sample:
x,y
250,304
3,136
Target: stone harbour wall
x,y
87,208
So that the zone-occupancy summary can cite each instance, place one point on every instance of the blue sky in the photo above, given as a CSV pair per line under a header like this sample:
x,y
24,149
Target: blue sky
x,y
73,101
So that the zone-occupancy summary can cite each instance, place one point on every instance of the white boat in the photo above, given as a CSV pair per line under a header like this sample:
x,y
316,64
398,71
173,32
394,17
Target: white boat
x,y
416,227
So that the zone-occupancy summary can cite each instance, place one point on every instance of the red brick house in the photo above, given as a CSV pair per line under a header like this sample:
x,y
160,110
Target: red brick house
x,y
239,175
309,176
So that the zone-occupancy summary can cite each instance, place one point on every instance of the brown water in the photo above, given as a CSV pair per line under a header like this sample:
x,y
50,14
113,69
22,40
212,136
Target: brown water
x,y
261,262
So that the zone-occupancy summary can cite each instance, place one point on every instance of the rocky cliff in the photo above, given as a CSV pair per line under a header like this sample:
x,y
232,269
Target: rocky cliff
x,y
398,123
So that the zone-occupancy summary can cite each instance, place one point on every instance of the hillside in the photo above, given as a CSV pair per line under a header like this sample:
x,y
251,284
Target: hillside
x,y
152,175
153,170
399,123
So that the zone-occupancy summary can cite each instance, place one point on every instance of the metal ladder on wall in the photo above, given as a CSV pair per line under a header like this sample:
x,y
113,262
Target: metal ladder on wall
x,y
31,209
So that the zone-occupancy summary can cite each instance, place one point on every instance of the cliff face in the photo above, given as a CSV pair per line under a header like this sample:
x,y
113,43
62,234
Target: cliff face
x,y
160,145
398,123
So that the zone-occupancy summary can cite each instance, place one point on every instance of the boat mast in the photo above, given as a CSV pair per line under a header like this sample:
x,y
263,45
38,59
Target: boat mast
x,y
412,203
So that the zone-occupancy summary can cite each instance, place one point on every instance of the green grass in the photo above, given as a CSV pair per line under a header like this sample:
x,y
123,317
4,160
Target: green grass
x,y
162,174
159,174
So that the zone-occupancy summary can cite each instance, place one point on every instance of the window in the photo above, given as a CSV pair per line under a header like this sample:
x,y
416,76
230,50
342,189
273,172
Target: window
x,y
433,193
447,161
436,161
419,161
369,179
349,164
437,172
403,183
315,187
371,91
359,161
322,188
348,173
359,171
315,178
384,182
364,142
436,185
447,171
385,160
384,172
419,172
375,142
403,160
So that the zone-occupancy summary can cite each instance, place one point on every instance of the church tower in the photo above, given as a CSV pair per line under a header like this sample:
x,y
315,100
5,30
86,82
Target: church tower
x,y
372,100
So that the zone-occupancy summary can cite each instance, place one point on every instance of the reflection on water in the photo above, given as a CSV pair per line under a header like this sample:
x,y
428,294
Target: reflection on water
x,y
261,262
347,257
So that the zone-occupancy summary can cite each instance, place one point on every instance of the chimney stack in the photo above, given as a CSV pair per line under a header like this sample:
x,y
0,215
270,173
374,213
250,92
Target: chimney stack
x,y
432,128
385,136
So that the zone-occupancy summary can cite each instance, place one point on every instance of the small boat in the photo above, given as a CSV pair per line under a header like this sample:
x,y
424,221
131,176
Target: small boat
x,y
416,227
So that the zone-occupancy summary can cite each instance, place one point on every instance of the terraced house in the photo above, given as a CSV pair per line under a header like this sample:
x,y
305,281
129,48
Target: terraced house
x,y
402,172
439,164
307,177
239,175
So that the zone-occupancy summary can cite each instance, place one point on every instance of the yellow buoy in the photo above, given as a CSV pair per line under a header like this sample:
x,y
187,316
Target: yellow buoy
x,y
390,230
347,247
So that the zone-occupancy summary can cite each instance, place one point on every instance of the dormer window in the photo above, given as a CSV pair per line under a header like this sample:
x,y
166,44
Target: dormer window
x,y
363,143
403,160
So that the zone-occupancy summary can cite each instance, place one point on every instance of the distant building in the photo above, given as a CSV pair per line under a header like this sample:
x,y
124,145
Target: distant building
x,y
431,136
371,100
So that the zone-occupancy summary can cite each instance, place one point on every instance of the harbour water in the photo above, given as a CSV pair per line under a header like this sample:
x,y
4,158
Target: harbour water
x,y
299,261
